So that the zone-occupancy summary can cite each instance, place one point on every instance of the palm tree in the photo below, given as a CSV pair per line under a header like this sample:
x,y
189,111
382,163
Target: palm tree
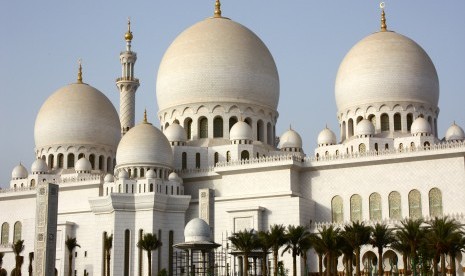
x,y
403,247
441,237
357,234
31,258
295,237
317,245
265,244
3,272
348,251
411,231
381,237
305,246
329,240
245,241
17,248
277,239
149,242
71,244
107,245
457,245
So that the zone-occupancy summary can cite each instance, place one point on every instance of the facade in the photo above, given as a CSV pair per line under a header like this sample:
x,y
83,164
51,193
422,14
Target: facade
x,y
216,155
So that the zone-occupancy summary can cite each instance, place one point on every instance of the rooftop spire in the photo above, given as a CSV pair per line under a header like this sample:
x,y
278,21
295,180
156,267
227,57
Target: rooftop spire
x,y
79,77
145,116
383,17
217,13
128,36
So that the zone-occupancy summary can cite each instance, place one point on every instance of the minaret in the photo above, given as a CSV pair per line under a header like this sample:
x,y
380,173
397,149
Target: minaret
x,y
127,85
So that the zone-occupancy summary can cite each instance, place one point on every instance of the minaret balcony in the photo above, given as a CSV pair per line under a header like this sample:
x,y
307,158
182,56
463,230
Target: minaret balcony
x,y
131,79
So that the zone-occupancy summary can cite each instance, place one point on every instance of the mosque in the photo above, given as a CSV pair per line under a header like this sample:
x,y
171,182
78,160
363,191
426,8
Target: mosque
x,y
217,156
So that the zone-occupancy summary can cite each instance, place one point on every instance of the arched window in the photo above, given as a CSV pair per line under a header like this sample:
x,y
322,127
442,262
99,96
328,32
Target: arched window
x,y
5,233
245,155
337,152
135,172
260,131
203,127
100,162
92,161
350,128
372,119
397,122
60,161
70,161
109,165
216,157
232,121
119,188
269,134
337,209
435,202
80,155
248,121
33,182
151,187
356,208
401,147
384,122
228,156
362,148
127,249
376,146
409,121
412,146
375,207
395,211
414,204
197,160
17,228
359,118
218,127
188,128
426,145
184,161
167,125
386,146
50,161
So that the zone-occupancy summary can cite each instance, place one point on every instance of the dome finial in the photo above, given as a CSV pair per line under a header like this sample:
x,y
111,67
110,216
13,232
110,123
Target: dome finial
x,y
128,35
79,77
145,116
217,13
383,17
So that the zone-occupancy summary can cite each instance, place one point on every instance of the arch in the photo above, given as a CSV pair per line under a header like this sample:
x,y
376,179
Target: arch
x,y
101,159
409,121
203,127
395,211
127,251
435,202
217,127
412,146
362,148
197,160
260,131
5,233
245,155
414,204
80,155
216,157
426,145
248,121
384,122
372,119
202,109
188,127
397,122
337,209
109,164
401,147
359,118
60,160
92,161
232,121
184,160
269,133
343,131
350,130
356,208
151,187
375,207
167,125
70,162
33,182
376,146
17,229
228,156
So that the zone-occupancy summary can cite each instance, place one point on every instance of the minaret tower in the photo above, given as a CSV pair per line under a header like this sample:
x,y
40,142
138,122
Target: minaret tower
x,y
127,85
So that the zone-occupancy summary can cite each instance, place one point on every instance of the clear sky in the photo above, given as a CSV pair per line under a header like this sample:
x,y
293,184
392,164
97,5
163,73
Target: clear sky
x,y
42,41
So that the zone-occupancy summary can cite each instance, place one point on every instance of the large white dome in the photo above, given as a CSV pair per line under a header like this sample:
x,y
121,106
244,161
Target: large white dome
x,y
144,144
386,67
197,230
77,114
217,60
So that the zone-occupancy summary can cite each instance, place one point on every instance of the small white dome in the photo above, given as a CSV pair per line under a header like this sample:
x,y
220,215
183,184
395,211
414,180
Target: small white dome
x,y
290,139
83,165
109,178
39,166
19,172
365,127
151,174
123,174
197,230
454,132
175,177
175,133
420,126
241,131
326,137
144,144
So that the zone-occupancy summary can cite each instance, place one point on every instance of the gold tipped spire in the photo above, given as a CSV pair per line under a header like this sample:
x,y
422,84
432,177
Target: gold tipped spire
x,y
145,116
79,77
383,17
217,13
128,36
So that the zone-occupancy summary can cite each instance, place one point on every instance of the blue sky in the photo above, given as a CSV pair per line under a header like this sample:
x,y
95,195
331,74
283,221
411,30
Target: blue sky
x,y
42,41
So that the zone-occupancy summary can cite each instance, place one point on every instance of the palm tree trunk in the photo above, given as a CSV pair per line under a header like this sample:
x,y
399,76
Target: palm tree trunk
x,y
246,264
275,262
435,265
108,263
452,263
70,261
328,264
351,267
264,272
380,261
149,259
443,265
305,263
357,261
320,264
294,264
404,260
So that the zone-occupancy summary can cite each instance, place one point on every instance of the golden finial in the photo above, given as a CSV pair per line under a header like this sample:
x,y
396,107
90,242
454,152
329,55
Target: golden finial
x,y
128,36
79,78
145,116
217,13
383,17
